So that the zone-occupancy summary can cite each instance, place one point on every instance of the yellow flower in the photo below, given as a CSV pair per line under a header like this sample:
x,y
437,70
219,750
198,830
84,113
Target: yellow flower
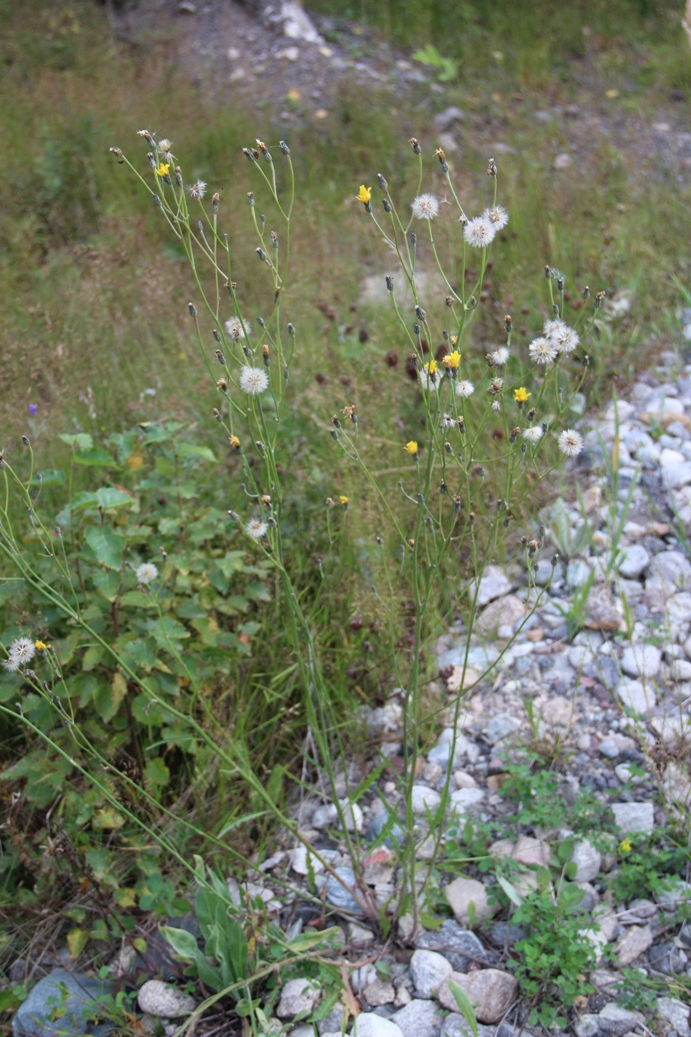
x,y
234,442
520,395
431,367
343,500
163,168
452,360
411,447
365,194
625,846
41,646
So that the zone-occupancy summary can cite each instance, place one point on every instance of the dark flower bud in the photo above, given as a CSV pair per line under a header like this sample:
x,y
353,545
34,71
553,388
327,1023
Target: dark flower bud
x,y
389,283
284,147
192,308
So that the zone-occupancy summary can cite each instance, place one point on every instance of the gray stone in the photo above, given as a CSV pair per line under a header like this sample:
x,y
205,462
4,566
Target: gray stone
x,y
507,611
297,995
423,799
587,1026
635,560
609,748
34,1017
641,660
634,817
672,569
340,897
379,993
680,670
418,1019
618,1021
587,860
428,970
376,827
494,583
678,893
164,1000
636,697
674,1012
333,1023
501,726
460,946
577,573
456,1026
461,893
491,993
633,943
445,120
674,476
369,1024
467,801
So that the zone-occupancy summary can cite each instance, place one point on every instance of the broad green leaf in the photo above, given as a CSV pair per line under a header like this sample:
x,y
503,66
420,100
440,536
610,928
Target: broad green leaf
x,y
182,942
304,941
77,940
106,545
194,450
96,457
510,890
464,1005
108,583
92,657
81,440
109,498
107,697
156,772
108,818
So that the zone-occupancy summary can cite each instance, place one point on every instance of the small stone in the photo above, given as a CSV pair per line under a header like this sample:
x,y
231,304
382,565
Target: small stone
x,y
500,727
587,1026
674,476
633,817
340,897
639,698
376,827
428,971
369,1024
379,993
34,1017
635,560
424,799
303,860
680,670
632,944
587,860
493,584
461,893
506,611
359,936
618,1021
162,999
641,660
609,748
460,946
467,801
445,120
491,993
558,712
418,1019
674,1012
525,850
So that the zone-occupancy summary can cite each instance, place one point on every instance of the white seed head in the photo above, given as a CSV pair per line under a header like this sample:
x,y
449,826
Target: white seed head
x,y
564,338
534,434
570,442
21,651
237,328
479,232
146,573
428,381
464,389
542,351
496,406
197,191
253,380
425,207
11,664
499,356
497,216
256,529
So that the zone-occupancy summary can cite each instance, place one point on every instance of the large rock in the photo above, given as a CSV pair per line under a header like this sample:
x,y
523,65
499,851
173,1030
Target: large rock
x,y
418,1019
494,583
617,1021
634,817
428,970
162,999
491,993
635,560
641,660
636,940
674,1012
368,1024
34,1017
461,893
637,697
460,946
588,861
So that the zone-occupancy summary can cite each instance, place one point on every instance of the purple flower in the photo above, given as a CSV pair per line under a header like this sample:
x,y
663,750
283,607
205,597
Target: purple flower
x,y
33,408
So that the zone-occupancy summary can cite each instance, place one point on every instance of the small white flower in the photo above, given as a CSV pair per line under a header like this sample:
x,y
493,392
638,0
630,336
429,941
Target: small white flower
x,y
496,406
253,380
12,664
479,232
497,216
256,529
499,356
146,573
197,191
447,421
564,338
237,328
534,434
542,351
570,443
425,207
165,145
428,381
553,327
21,651
464,389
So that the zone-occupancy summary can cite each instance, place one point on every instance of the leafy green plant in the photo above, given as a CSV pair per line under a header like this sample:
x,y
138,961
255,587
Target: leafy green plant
x,y
447,68
648,864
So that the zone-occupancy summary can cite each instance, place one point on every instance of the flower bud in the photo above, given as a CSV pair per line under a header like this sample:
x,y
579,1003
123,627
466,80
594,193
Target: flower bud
x,y
284,147
192,308
389,283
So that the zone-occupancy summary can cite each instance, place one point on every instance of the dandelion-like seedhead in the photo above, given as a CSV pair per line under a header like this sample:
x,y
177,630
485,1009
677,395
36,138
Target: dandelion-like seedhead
x,y
21,651
425,207
197,191
499,356
570,442
464,389
253,380
564,338
479,232
534,434
256,529
237,328
497,216
542,351
146,573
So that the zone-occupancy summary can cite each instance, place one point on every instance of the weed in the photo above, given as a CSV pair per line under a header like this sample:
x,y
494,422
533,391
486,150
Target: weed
x,y
648,865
